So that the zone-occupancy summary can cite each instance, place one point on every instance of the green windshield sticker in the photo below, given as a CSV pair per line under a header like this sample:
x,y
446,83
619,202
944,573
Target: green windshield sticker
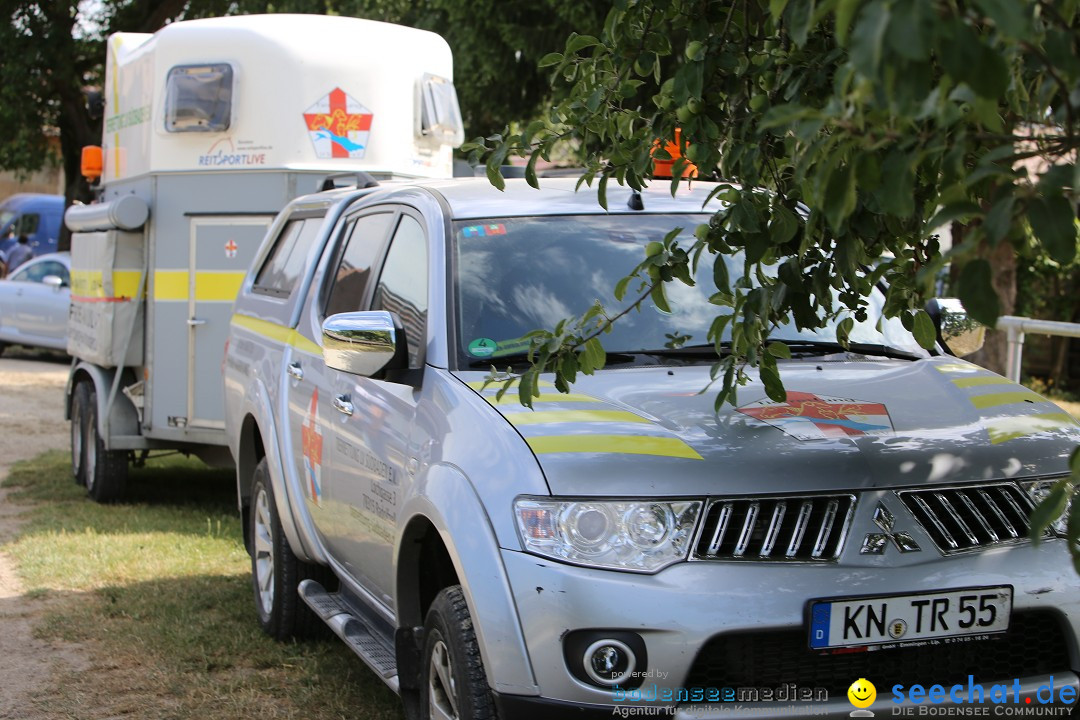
x,y
482,347
513,347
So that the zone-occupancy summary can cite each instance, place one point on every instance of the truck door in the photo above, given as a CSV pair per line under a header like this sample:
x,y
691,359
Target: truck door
x,y
369,470
222,249
342,283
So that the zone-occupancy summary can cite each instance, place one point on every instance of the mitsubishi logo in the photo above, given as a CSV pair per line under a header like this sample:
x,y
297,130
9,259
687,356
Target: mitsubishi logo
x,y
875,543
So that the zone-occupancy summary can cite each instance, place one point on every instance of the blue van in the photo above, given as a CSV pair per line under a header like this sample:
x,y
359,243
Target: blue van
x,y
35,215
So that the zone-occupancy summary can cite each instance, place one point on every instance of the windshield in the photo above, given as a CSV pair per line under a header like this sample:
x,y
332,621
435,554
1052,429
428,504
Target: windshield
x,y
514,275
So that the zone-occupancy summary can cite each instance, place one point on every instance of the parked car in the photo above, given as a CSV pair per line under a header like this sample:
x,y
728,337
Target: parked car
x,y
34,302
624,548
36,215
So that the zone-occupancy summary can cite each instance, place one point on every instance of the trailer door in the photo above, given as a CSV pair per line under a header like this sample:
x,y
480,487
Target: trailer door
x,y
222,249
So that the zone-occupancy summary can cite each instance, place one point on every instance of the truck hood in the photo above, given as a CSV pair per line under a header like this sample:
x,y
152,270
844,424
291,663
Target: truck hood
x,y
847,425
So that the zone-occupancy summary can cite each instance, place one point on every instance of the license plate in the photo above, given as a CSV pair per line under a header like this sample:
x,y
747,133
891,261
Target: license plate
x,y
852,622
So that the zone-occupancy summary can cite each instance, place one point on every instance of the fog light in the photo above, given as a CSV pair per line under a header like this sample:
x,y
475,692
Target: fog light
x,y
609,662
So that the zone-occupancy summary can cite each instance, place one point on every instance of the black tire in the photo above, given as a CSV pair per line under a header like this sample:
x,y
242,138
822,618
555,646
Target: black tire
x,y
105,471
80,407
460,689
276,572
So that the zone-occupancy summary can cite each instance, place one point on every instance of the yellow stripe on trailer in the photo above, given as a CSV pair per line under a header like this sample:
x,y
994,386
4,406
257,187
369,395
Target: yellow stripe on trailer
x,y
170,285
548,417
213,286
1004,429
621,444
126,282
1006,398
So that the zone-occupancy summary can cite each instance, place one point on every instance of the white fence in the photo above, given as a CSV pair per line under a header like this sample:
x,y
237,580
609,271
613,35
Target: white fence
x,y
1016,327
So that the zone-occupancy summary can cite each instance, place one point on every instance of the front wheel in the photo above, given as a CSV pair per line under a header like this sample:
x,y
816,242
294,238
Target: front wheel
x,y
454,685
276,572
105,471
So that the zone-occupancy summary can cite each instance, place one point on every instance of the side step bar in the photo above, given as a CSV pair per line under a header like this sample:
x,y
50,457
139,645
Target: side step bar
x,y
370,646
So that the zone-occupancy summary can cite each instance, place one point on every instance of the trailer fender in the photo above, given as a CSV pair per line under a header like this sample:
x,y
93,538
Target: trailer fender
x,y
123,418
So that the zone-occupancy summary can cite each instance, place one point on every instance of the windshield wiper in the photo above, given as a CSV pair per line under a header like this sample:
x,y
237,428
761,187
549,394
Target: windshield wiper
x,y
522,358
805,348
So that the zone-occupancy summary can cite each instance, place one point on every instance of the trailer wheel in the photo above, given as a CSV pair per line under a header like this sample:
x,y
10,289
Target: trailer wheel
x,y
453,685
105,470
276,572
80,406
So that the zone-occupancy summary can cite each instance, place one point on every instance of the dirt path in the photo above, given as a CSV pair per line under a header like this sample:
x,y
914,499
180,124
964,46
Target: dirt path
x,y
31,422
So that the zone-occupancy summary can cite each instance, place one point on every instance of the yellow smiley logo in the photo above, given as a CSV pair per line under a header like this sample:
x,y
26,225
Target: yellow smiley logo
x,y
862,693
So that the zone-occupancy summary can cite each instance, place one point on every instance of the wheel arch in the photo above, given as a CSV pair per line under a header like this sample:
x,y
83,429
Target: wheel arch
x,y
123,417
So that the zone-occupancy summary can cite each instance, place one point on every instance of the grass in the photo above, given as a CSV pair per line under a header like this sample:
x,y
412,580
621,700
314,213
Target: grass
x,y
157,591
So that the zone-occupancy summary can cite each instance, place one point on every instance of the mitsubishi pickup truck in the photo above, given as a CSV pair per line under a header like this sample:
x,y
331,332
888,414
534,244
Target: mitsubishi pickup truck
x,y
624,548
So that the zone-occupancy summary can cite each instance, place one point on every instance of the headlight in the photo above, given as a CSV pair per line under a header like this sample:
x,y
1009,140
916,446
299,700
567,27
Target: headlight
x,y
1038,491
623,535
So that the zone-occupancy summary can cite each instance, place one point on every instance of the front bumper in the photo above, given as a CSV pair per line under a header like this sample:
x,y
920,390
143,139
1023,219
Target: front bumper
x,y
679,610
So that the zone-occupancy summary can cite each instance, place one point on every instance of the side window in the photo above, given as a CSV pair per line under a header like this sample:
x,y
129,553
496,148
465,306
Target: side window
x,y
52,268
27,224
198,98
280,272
403,284
23,275
363,241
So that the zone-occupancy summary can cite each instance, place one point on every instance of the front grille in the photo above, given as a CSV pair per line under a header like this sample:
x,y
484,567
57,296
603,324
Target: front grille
x,y
969,518
802,529
1035,644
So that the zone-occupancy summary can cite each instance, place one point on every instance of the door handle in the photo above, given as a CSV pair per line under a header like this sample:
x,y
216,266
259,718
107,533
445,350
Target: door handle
x,y
192,322
295,370
343,405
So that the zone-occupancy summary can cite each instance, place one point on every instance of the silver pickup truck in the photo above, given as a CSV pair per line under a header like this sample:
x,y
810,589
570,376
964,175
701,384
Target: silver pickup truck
x,y
624,549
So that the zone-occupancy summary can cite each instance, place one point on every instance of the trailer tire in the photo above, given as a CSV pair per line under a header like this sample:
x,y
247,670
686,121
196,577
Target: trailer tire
x,y
105,470
453,682
276,572
80,406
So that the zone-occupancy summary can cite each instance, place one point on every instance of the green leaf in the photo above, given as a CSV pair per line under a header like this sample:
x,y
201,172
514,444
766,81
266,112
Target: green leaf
x,y
1050,509
1010,17
776,8
976,292
494,175
968,58
909,32
530,171
843,331
784,225
845,12
951,212
601,191
780,116
868,38
924,331
620,287
550,59
580,42
779,350
594,352
839,200
800,17
720,275
770,378
659,299
999,220
1053,220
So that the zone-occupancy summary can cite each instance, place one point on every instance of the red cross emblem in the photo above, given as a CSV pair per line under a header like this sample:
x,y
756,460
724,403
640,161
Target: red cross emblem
x,y
338,125
806,416
311,441
230,249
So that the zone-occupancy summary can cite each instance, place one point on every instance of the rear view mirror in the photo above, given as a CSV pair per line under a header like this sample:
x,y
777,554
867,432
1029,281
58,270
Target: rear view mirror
x,y
363,343
957,331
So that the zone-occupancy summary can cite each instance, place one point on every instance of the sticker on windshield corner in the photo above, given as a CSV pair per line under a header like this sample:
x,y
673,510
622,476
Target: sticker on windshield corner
x,y
806,416
482,347
483,230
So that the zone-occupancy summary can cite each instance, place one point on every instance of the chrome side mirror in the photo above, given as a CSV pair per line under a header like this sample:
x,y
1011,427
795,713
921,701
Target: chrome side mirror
x,y
54,281
960,334
362,343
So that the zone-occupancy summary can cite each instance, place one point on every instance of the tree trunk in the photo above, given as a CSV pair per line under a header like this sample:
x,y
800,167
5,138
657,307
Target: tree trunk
x,y
1002,258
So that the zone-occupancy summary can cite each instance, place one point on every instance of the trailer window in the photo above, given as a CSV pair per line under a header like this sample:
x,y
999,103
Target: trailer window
x,y
198,98
440,116
280,273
